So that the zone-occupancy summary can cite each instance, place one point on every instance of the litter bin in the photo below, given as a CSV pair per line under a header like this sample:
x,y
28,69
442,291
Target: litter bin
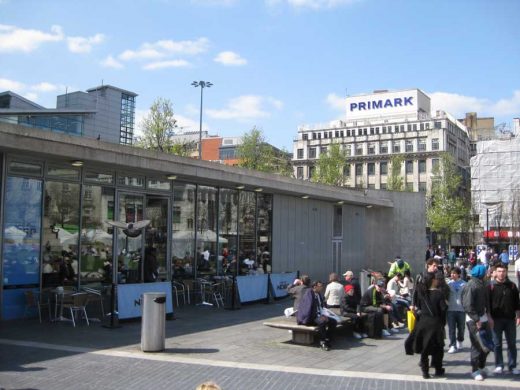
x,y
153,322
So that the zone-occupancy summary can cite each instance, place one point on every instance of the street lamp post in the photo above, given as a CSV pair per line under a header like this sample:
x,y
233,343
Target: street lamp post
x,y
202,85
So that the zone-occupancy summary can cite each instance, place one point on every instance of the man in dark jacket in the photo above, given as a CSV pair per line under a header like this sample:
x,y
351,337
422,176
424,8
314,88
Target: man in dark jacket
x,y
310,313
505,310
297,290
475,300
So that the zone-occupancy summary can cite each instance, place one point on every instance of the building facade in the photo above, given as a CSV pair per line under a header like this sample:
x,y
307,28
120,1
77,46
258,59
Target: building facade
x,y
106,113
381,125
61,194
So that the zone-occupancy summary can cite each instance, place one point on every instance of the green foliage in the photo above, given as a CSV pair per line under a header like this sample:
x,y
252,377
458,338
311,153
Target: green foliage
x,y
447,210
255,153
330,166
159,129
395,180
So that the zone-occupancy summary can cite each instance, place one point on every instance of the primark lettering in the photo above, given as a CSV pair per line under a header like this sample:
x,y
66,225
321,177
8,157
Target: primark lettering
x,y
375,104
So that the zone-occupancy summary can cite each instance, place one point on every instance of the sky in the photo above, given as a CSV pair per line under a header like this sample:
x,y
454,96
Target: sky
x,y
274,64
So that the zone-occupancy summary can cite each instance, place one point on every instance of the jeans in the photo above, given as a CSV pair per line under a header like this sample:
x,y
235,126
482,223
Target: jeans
x,y
456,322
477,356
508,326
325,327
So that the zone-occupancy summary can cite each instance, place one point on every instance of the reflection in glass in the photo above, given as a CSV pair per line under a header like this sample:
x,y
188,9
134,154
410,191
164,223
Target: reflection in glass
x,y
96,236
129,248
183,230
207,231
264,223
156,239
228,223
60,234
246,227
22,229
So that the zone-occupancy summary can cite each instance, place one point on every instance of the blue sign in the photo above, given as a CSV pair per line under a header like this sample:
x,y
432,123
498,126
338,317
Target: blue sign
x,y
129,297
376,104
252,287
513,252
280,282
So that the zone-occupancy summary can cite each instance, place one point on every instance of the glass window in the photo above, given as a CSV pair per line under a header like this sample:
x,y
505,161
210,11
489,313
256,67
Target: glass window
x,y
371,148
97,177
409,146
422,145
228,238
437,124
323,150
299,153
421,126
311,171
305,136
422,186
422,166
183,231
25,168
67,173
22,230
206,230
127,119
337,223
415,127
130,181
156,239
359,169
346,170
348,150
312,152
246,227
299,172
96,235
60,234
396,147
359,149
435,163
409,127
382,186
435,144
264,231
409,187
383,148
409,167
158,184
383,167
371,168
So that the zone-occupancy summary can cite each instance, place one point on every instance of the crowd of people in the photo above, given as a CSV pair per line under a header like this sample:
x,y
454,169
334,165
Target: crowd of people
x,y
467,295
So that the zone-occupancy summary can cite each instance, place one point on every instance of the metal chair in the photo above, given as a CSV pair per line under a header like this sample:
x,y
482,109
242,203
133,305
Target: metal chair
x,y
216,294
95,295
36,300
180,289
79,304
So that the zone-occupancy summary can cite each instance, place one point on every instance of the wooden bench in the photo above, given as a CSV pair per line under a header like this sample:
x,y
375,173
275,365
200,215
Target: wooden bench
x,y
301,334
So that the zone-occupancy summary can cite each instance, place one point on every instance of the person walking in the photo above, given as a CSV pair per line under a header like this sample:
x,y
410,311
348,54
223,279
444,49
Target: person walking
x,y
456,317
429,329
505,310
475,300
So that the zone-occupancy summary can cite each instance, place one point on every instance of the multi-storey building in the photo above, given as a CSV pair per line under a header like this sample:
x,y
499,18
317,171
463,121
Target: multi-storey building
x,y
104,112
479,129
378,126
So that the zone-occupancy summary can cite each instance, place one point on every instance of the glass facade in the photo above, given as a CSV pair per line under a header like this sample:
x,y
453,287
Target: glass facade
x,y
126,134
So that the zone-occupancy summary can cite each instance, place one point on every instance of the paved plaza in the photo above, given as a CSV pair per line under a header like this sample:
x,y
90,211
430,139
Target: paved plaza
x,y
230,347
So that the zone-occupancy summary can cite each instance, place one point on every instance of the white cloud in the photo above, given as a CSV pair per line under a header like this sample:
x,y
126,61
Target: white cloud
x,y
44,87
230,58
31,96
11,85
84,44
246,107
166,64
313,4
165,48
508,106
14,39
111,62
335,102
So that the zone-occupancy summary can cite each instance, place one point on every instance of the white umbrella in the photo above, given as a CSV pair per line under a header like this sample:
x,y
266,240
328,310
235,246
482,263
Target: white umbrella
x,y
206,235
99,235
14,234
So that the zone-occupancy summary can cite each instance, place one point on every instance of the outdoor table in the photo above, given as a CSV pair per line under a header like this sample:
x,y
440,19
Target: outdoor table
x,y
59,297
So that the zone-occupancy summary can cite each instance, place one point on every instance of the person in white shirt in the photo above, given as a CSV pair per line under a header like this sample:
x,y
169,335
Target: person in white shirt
x,y
334,292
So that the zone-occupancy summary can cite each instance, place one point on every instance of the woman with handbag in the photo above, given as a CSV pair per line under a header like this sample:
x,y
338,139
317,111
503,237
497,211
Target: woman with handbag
x,y
428,335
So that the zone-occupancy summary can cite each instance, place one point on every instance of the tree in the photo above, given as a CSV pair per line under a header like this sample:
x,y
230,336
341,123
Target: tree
x,y
330,167
447,206
395,180
255,153
158,128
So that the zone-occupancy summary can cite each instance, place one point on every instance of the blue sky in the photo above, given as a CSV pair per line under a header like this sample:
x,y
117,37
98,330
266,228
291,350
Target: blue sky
x,y
275,64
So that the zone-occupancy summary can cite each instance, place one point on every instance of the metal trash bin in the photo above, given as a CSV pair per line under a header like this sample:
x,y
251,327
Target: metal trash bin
x,y
153,322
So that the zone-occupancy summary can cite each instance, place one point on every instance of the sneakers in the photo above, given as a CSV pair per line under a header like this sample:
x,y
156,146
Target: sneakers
x,y
515,371
386,333
498,370
477,376
459,344
452,349
485,372
357,335
324,346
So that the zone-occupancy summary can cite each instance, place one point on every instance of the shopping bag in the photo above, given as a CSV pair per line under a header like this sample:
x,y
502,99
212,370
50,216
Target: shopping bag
x,y
329,313
410,319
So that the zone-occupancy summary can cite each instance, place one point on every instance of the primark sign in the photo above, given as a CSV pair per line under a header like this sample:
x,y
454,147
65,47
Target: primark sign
x,y
381,103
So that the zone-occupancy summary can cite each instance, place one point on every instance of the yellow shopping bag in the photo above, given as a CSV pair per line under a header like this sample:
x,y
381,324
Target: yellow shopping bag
x,y
410,318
